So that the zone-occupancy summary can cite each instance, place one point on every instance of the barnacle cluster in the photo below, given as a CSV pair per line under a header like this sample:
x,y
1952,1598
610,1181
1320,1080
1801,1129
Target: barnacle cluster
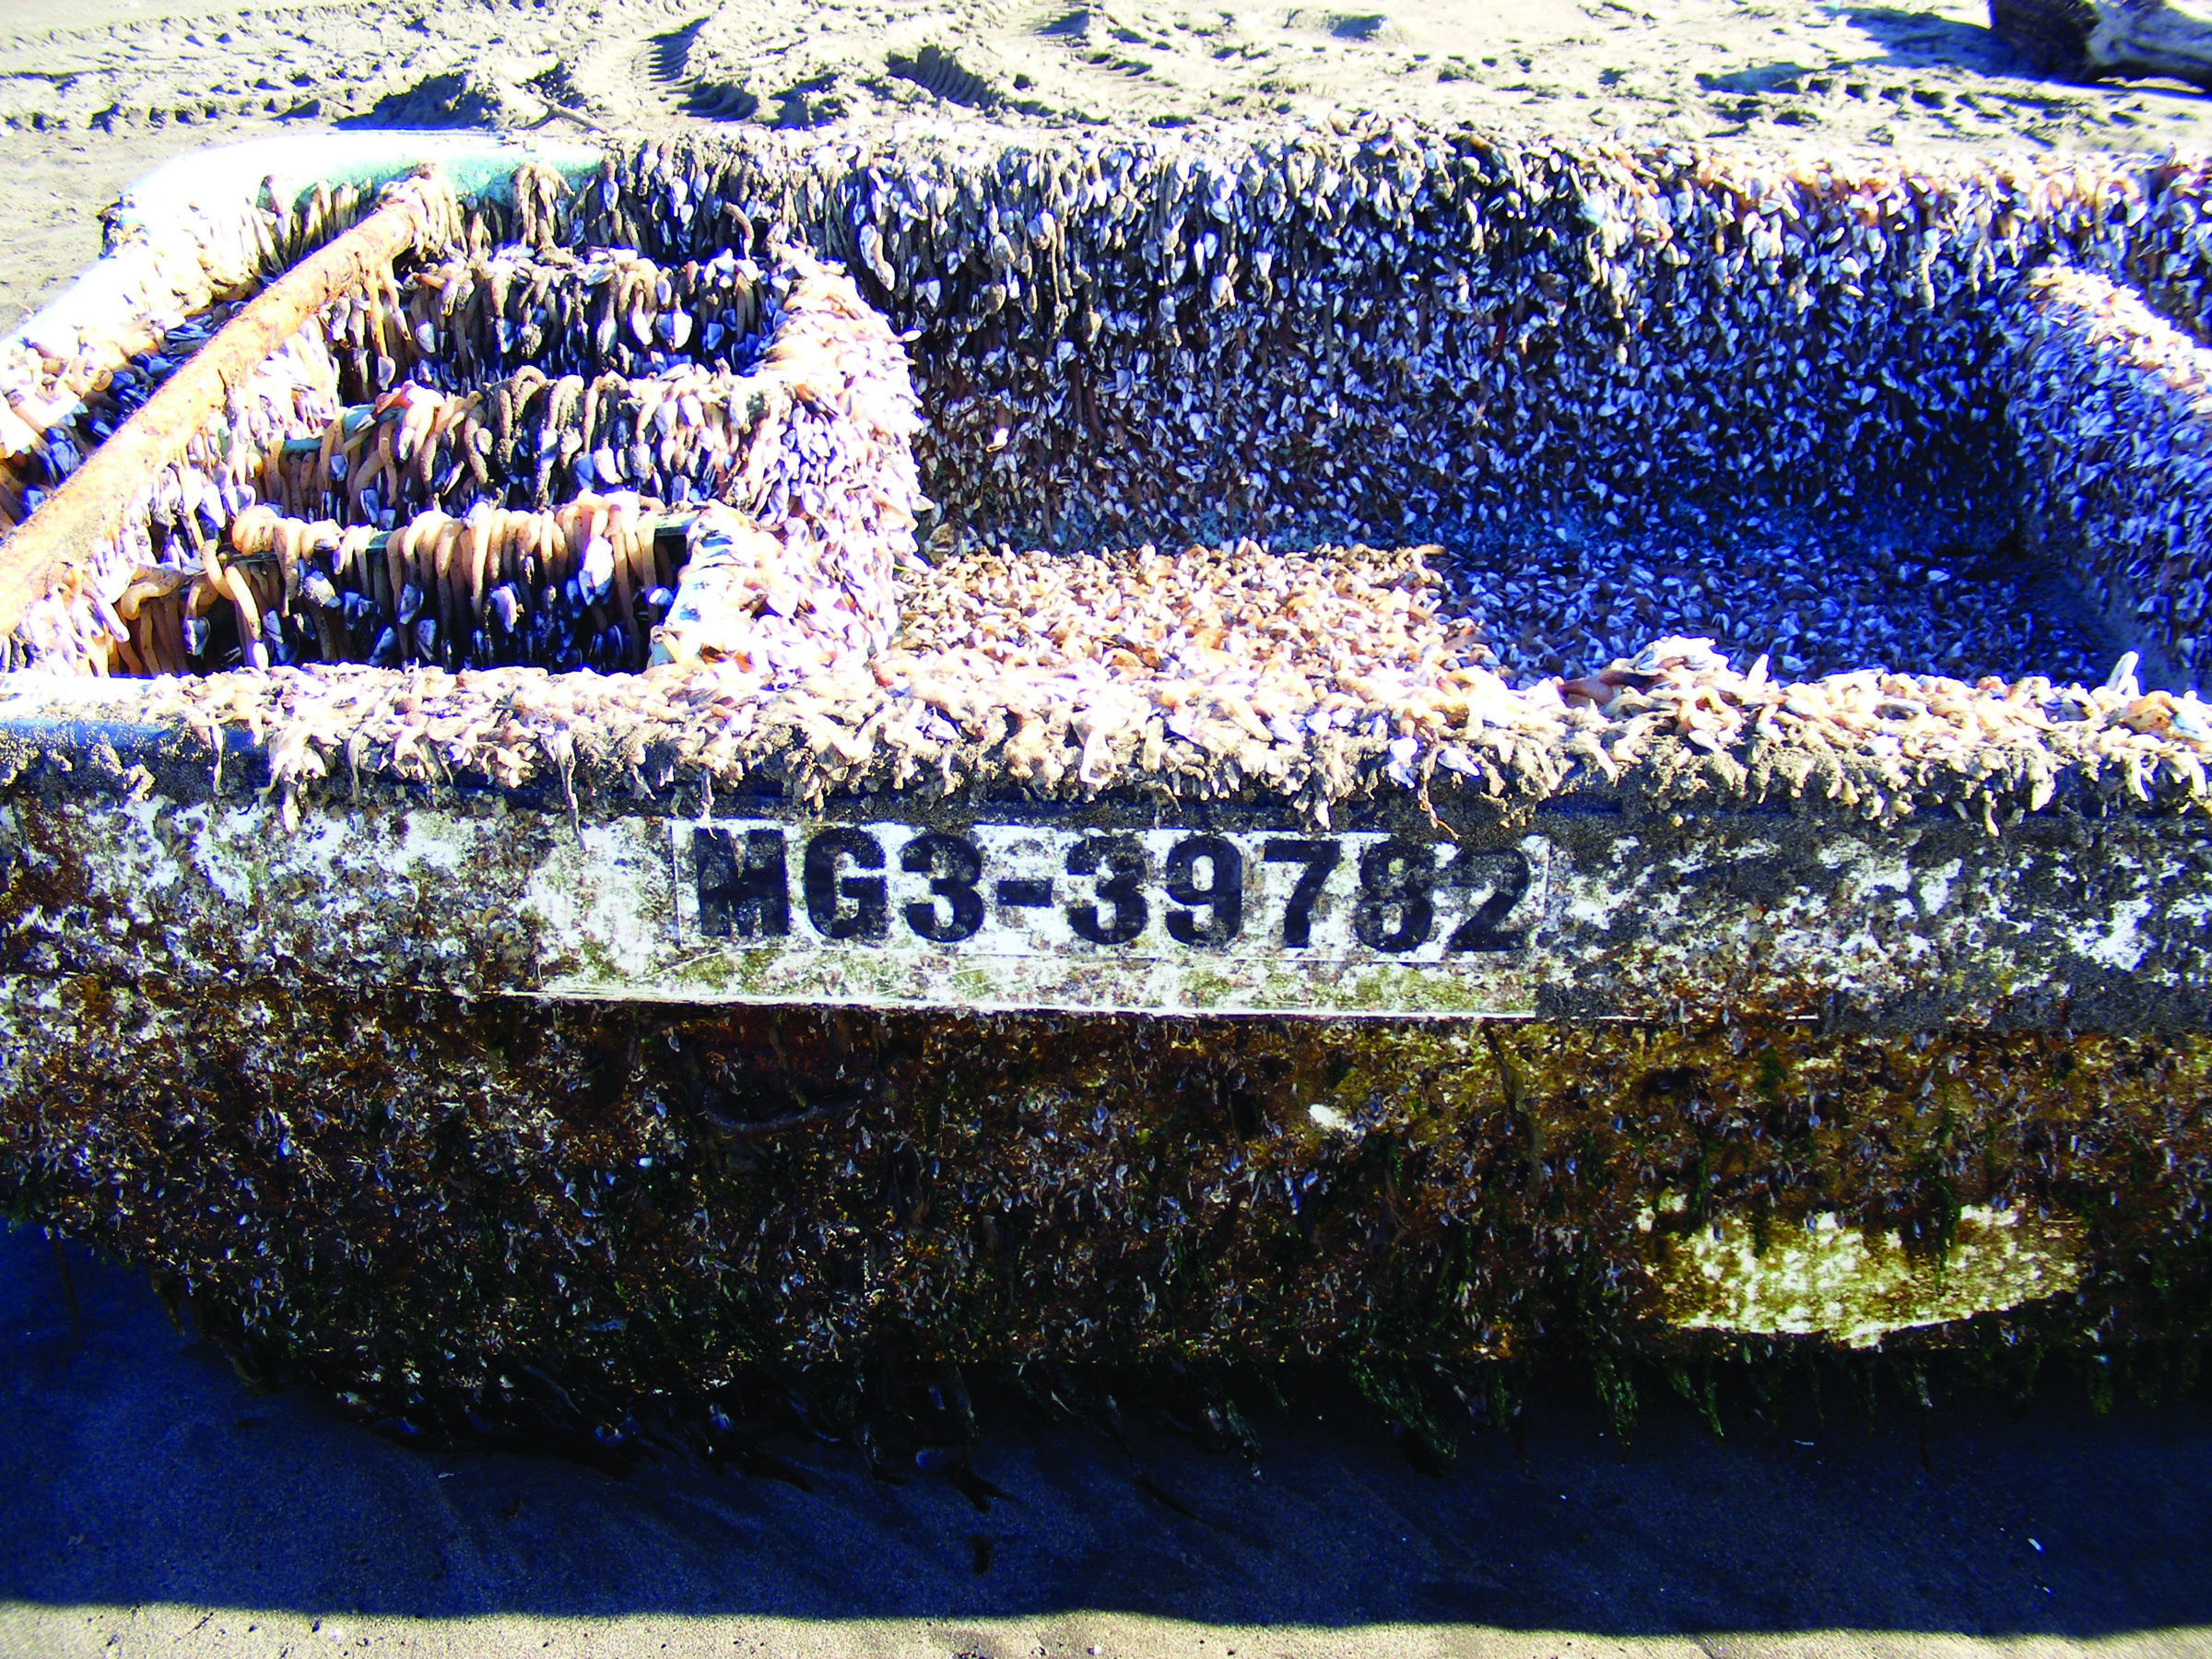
x,y
2113,406
72,373
495,585
1395,331
469,527
124,611
1676,724
780,392
465,318
590,581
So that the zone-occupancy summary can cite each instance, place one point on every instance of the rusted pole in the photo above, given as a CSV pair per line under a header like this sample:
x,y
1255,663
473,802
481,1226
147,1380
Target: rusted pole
x,y
85,511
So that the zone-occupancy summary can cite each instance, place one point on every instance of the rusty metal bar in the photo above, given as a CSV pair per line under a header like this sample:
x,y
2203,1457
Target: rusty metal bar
x,y
85,511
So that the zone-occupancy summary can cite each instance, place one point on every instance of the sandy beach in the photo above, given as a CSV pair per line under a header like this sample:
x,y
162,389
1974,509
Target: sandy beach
x,y
151,1503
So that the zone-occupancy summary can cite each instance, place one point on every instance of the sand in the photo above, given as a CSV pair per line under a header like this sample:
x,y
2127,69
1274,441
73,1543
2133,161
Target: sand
x,y
150,1505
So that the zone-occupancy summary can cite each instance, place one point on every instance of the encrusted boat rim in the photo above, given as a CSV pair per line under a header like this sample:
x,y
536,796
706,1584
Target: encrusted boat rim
x,y
1684,730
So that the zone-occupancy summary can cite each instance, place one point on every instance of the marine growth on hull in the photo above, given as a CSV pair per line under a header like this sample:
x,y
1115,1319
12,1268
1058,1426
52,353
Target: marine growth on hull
x,y
1685,536
1598,400
505,458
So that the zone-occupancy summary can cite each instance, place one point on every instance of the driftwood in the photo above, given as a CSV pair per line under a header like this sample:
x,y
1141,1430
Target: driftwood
x,y
85,510
2094,39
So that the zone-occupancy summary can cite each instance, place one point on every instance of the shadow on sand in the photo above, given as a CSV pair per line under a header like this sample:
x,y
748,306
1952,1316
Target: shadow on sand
x,y
1923,38
135,1468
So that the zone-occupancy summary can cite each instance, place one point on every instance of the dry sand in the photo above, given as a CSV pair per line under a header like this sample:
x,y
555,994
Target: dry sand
x,y
148,1504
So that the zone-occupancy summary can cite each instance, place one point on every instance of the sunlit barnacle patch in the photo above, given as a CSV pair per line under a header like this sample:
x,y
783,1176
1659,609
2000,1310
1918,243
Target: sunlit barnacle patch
x,y
1821,1276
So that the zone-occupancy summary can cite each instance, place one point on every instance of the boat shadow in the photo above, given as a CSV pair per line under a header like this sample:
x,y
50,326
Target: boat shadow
x,y
135,1468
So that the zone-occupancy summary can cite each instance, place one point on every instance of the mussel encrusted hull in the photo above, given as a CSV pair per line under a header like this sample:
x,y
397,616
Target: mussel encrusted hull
x,y
1789,1074
434,1199
1779,1008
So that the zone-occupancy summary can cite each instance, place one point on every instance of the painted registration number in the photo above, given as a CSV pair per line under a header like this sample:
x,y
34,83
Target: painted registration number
x,y
998,890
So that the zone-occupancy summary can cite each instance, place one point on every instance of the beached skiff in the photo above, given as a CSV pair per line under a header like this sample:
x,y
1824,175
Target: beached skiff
x,y
1628,773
